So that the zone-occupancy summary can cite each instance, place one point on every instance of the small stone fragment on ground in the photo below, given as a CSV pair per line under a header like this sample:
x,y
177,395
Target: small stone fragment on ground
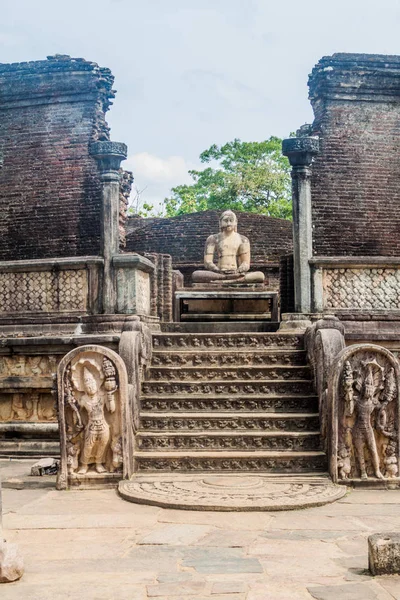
x,y
45,466
11,562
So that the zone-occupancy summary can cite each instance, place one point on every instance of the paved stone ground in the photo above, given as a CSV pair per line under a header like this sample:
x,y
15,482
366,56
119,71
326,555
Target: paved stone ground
x,y
93,545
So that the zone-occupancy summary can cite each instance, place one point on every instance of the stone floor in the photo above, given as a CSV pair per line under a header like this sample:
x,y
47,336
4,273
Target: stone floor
x,y
94,545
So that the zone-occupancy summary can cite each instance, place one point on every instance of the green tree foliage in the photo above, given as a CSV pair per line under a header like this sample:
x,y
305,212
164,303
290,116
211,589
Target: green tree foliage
x,y
247,176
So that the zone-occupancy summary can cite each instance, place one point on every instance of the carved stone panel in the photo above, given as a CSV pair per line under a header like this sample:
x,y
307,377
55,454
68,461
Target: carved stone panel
x,y
133,291
361,289
27,406
365,414
94,417
43,291
26,384
23,371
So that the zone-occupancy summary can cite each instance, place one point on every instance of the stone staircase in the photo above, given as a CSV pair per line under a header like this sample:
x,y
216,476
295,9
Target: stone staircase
x,y
230,402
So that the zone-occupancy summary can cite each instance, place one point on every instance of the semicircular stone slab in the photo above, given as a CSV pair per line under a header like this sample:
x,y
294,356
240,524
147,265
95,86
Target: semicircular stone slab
x,y
230,492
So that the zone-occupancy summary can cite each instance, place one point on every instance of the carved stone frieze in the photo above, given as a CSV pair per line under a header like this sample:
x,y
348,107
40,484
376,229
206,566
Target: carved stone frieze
x,y
27,366
223,422
234,387
204,442
236,464
267,374
364,398
217,404
28,406
43,291
221,359
94,417
25,388
203,341
361,288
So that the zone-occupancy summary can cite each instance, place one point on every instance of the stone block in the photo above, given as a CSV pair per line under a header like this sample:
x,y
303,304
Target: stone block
x,y
133,284
11,563
384,553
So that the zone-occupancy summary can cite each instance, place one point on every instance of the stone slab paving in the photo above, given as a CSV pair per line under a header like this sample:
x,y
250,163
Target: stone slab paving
x,y
93,545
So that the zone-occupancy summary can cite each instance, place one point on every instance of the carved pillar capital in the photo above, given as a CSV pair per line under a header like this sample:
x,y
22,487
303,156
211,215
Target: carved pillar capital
x,y
109,156
300,151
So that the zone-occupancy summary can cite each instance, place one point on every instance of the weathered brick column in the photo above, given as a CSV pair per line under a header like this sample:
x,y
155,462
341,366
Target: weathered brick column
x,y
300,152
109,156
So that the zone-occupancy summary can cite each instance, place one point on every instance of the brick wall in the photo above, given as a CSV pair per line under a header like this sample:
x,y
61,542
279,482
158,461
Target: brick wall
x,y
50,195
356,176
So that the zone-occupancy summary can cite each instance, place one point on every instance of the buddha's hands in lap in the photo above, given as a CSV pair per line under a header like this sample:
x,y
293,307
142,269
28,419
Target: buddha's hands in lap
x,y
233,274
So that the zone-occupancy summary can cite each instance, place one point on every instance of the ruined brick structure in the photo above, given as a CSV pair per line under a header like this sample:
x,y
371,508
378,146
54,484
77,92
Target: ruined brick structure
x,y
51,111
88,320
346,175
63,204
184,237
356,175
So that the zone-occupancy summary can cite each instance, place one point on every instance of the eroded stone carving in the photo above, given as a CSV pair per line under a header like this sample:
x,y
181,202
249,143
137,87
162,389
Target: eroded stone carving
x,y
364,397
28,406
43,291
94,414
233,252
260,341
31,376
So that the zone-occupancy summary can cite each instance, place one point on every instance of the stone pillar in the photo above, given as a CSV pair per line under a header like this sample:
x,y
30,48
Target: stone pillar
x,y
300,152
109,156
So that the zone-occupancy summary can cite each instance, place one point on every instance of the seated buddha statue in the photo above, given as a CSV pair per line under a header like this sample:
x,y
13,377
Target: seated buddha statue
x,y
233,252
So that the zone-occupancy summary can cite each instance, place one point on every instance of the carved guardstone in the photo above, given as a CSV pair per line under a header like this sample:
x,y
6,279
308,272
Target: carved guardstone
x,y
95,421
365,414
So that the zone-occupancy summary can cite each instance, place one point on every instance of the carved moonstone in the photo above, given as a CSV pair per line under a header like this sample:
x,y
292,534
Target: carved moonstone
x,y
233,251
94,416
365,413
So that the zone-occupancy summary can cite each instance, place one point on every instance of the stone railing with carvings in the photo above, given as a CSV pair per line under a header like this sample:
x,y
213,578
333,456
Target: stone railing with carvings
x,y
356,284
51,286
324,340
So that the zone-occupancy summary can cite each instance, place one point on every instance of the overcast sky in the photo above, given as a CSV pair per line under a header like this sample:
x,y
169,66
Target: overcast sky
x,y
190,73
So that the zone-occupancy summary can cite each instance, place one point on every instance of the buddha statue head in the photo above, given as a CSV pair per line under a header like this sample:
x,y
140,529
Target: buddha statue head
x,y
228,221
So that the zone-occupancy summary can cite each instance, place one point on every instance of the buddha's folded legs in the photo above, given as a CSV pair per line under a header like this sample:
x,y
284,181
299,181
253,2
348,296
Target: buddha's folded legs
x,y
210,276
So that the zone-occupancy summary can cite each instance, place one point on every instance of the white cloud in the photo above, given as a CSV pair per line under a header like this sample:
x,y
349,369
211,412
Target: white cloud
x,y
155,176
146,166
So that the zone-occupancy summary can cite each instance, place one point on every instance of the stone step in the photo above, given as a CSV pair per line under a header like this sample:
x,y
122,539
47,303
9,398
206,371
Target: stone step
x,y
19,448
221,403
277,386
219,327
208,341
208,421
265,440
225,358
259,461
167,374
